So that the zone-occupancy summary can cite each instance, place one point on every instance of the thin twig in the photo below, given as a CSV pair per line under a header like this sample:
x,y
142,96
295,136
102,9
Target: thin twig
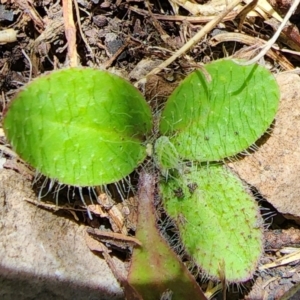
x,y
194,40
30,64
81,32
3,110
70,32
8,151
176,18
109,62
270,43
244,12
114,236
274,54
163,35
28,8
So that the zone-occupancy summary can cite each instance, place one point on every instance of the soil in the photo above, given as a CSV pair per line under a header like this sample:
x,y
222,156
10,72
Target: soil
x,y
44,252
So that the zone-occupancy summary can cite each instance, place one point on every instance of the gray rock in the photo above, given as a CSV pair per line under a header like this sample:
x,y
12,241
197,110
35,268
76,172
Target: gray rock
x,y
44,256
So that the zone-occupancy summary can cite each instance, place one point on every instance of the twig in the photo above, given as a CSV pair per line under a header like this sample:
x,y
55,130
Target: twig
x,y
81,32
190,19
295,256
243,13
28,8
70,32
30,64
249,40
7,151
194,40
163,35
8,36
109,62
114,236
3,101
270,43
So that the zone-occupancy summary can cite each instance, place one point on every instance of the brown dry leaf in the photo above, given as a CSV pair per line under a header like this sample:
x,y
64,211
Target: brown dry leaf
x,y
283,6
54,28
97,210
274,169
117,221
289,36
129,212
116,218
21,168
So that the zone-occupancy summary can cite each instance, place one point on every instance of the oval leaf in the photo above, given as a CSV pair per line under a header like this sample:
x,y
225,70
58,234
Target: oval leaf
x,y
218,221
81,126
208,120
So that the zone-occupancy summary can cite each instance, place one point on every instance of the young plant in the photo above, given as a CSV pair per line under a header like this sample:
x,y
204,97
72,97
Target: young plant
x,y
86,127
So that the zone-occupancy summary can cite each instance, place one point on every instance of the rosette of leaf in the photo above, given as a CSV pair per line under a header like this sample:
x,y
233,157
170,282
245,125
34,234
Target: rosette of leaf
x,y
79,126
207,118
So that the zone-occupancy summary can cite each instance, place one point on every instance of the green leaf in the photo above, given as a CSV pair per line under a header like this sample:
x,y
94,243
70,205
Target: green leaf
x,y
218,221
208,120
165,155
81,126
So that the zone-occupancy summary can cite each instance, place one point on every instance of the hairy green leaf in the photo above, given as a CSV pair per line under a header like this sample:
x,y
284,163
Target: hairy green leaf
x,y
218,221
208,119
81,126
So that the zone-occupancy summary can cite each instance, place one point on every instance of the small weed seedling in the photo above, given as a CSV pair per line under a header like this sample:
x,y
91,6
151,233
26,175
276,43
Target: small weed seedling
x,y
86,127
